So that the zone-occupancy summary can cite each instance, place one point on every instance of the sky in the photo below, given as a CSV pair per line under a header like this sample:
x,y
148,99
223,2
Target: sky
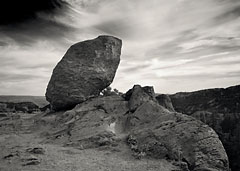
x,y
177,45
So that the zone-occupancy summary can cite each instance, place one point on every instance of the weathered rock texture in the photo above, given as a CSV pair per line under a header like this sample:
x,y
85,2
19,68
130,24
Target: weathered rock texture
x,y
220,109
26,107
149,129
85,70
138,95
165,101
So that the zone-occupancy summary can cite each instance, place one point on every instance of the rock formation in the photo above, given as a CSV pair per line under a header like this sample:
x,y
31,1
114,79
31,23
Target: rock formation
x,y
220,109
138,95
149,129
85,70
25,107
165,101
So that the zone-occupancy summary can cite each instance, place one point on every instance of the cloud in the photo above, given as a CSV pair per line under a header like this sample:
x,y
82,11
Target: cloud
x,y
173,37
3,43
27,35
27,22
231,13
6,77
135,68
172,45
14,11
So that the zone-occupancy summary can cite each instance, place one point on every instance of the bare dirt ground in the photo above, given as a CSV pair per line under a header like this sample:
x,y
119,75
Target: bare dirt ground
x,y
18,137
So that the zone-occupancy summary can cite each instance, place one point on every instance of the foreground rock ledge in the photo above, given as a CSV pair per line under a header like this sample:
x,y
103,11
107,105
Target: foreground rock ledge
x,y
151,130
85,70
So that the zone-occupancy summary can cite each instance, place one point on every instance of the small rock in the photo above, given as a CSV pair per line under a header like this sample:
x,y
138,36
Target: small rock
x,y
31,161
11,155
36,150
8,156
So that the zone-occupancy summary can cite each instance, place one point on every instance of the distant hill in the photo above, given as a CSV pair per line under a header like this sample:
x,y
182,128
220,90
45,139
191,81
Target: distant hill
x,y
220,109
220,100
38,100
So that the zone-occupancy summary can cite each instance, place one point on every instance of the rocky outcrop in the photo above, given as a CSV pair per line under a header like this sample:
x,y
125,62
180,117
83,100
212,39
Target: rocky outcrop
x,y
160,134
85,70
220,109
214,100
25,107
149,129
93,123
46,108
138,95
3,107
165,101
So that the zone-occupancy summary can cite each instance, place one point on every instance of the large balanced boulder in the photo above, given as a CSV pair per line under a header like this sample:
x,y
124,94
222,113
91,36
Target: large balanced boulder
x,y
85,70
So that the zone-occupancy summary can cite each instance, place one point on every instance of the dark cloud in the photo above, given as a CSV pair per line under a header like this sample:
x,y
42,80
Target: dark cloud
x,y
3,43
232,13
229,15
27,21
32,31
19,11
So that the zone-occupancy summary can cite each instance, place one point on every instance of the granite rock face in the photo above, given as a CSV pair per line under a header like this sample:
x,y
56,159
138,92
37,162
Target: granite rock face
x,y
138,95
85,70
149,129
161,133
165,101
220,109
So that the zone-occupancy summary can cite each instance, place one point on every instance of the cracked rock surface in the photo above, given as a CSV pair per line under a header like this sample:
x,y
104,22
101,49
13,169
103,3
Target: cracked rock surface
x,y
149,129
84,71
